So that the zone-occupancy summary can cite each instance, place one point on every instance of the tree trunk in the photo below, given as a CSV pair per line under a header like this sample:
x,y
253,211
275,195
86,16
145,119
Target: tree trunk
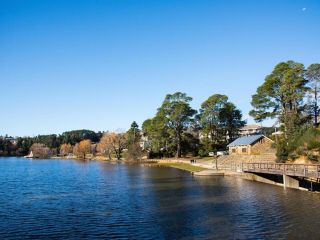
x,y
179,146
316,106
118,154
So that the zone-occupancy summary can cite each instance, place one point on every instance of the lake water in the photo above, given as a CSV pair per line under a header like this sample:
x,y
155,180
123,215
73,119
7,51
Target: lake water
x,y
66,199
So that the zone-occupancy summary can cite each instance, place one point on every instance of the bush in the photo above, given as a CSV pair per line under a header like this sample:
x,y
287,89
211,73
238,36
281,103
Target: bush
x,y
134,152
155,155
304,139
203,153
293,156
313,144
312,157
282,151
40,150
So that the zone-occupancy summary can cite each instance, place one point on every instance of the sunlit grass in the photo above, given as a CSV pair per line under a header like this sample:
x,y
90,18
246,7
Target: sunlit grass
x,y
183,166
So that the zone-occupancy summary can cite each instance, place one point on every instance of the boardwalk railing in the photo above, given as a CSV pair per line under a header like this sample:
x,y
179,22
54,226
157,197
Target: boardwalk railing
x,y
299,170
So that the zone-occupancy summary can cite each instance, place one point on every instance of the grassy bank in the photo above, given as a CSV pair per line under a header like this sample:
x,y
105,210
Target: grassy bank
x,y
182,166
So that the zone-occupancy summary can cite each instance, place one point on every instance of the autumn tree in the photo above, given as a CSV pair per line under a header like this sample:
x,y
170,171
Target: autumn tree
x,y
66,149
82,149
134,152
112,143
105,146
40,150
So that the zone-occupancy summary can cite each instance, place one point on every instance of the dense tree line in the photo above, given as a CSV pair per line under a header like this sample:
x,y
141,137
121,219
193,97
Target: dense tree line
x,y
22,145
178,130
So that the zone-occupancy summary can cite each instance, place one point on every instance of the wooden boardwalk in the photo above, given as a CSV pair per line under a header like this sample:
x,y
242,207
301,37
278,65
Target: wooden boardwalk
x,y
296,170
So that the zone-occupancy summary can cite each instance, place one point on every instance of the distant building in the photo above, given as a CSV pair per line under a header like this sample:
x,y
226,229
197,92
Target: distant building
x,y
277,133
251,129
145,143
12,140
251,145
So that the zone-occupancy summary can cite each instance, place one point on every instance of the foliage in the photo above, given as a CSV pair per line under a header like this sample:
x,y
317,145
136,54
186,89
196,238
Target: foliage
x,y
219,121
133,134
282,151
176,114
305,141
156,133
134,152
7,148
313,76
203,152
281,95
23,144
312,157
82,149
190,143
112,143
40,150
77,136
66,149
51,141
105,145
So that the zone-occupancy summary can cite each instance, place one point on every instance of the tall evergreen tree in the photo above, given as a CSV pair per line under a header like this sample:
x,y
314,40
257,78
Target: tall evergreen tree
x,y
281,95
133,134
313,76
219,121
177,115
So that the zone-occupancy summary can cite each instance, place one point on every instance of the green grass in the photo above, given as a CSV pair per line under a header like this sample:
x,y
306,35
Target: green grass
x,y
183,166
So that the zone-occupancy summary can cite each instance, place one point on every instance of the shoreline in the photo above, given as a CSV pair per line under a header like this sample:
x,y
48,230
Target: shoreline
x,y
183,165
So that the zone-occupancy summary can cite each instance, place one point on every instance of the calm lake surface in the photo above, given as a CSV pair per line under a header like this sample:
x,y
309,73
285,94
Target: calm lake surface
x,y
66,199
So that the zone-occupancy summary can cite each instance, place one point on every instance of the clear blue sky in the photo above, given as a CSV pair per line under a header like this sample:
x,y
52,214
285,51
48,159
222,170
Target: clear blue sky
x,y
102,64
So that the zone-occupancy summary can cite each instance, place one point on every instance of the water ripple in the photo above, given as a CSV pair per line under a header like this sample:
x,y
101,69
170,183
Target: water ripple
x,y
54,199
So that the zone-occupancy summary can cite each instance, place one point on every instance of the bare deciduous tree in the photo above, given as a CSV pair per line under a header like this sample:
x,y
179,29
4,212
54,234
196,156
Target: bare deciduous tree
x,y
82,149
112,143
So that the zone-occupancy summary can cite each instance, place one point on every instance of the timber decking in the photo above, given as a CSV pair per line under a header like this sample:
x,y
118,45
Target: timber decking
x,y
296,170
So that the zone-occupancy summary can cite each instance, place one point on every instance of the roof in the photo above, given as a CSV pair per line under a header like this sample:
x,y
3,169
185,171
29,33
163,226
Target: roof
x,y
246,140
250,126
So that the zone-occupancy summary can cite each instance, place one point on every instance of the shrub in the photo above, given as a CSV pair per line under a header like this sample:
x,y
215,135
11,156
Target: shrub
x,y
282,151
313,144
293,156
203,153
312,157
134,152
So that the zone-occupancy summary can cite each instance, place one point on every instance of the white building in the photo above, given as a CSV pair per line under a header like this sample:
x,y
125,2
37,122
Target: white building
x,y
251,129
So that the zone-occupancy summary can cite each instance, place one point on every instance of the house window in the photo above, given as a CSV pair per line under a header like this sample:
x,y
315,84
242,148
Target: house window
x,y
244,150
233,150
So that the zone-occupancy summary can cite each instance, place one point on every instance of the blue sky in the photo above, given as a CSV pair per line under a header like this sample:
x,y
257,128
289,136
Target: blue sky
x,y
102,64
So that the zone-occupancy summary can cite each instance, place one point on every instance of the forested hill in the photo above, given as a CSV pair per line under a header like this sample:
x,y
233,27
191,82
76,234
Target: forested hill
x,y
21,145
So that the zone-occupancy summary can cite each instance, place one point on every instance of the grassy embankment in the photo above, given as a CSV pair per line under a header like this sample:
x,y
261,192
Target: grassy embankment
x,y
183,166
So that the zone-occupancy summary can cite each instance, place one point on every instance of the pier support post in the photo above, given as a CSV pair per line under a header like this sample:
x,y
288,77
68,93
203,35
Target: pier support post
x,y
290,182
